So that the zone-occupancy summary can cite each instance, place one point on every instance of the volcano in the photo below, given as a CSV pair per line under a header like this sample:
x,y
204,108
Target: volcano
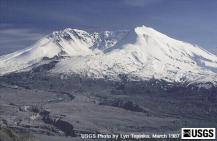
x,y
142,54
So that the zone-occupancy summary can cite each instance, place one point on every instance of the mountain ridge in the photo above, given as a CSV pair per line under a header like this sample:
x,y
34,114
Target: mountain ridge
x,y
142,53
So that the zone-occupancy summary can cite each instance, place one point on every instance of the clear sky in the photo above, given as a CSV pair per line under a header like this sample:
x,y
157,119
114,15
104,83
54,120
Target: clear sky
x,y
22,22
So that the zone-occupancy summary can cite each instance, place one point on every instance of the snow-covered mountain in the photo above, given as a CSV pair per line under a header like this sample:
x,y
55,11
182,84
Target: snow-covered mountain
x,y
141,54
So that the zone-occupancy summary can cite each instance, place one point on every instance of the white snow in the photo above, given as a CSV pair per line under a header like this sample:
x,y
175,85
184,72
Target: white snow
x,y
143,53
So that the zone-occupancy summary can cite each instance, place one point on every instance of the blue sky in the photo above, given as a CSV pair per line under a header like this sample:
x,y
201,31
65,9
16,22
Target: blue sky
x,y
22,22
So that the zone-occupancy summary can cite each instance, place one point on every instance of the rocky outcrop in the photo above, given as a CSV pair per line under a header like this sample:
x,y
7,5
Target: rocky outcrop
x,y
127,105
57,122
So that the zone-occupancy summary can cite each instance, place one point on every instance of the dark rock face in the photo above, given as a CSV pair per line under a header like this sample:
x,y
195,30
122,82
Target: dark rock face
x,y
45,67
127,105
62,125
66,127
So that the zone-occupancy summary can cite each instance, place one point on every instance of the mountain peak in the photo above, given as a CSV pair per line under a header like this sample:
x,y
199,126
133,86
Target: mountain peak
x,y
143,29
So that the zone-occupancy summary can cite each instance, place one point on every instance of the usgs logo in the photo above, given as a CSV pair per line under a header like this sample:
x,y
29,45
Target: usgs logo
x,y
198,133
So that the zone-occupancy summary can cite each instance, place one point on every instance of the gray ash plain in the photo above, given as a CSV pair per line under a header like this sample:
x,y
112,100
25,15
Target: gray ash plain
x,y
57,107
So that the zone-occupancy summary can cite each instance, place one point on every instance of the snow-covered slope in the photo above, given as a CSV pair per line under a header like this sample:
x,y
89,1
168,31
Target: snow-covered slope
x,y
142,53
